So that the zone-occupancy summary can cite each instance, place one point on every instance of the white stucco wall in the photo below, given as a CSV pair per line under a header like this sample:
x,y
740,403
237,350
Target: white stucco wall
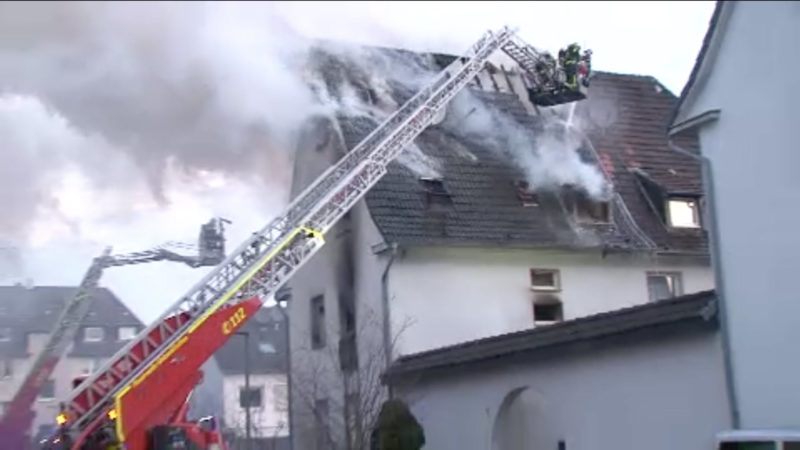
x,y
441,296
657,395
267,420
65,371
753,149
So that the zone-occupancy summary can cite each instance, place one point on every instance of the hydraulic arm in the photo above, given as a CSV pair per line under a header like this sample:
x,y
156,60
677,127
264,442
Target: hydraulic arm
x,y
18,416
111,397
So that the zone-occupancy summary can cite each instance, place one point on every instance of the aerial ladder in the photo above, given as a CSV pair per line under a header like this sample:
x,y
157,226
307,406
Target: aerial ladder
x,y
18,416
138,399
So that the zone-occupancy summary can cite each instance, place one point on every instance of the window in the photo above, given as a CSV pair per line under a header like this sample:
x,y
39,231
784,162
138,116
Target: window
x,y
547,309
48,390
126,333
661,285
92,366
93,334
525,194
584,208
280,397
435,192
251,398
545,280
318,322
683,213
5,334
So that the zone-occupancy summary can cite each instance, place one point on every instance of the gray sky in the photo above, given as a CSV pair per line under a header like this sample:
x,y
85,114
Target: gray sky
x,y
87,194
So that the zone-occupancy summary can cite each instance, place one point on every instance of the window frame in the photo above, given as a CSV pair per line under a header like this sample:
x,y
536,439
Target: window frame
x,y
556,286
127,327
685,199
256,388
86,334
677,288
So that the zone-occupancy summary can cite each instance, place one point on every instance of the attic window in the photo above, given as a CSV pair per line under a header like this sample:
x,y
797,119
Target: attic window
x,y
93,334
683,213
435,192
585,209
546,280
525,194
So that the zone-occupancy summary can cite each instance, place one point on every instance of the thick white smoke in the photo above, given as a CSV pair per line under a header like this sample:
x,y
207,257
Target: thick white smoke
x,y
548,157
117,90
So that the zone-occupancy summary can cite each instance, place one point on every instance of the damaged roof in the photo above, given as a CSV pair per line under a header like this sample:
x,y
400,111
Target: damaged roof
x,y
692,312
624,137
34,310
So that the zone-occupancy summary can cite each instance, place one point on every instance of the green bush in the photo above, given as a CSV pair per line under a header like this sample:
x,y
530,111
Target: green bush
x,y
397,428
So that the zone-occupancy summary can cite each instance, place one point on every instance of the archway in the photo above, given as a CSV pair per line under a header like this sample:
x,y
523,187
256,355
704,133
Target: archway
x,y
525,421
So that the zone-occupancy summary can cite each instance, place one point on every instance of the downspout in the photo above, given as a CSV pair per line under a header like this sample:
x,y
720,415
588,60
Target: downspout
x,y
705,163
387,341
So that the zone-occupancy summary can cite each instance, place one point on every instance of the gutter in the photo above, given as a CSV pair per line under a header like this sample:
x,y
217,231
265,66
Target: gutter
x,y
387,341
719,287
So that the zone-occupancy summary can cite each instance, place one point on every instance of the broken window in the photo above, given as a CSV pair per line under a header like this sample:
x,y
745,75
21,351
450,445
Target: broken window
x,y
93,334
683,213
318,322
435,192
525,194
662,285
48,390
585,209
547,309
593,212
250,398
545,280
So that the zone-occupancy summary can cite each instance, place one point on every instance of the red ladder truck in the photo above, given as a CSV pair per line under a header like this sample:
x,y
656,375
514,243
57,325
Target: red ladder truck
x,y
138,399
18,415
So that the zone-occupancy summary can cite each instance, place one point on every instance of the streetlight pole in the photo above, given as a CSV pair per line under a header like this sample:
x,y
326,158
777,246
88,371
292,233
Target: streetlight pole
x,y
246,386
284,295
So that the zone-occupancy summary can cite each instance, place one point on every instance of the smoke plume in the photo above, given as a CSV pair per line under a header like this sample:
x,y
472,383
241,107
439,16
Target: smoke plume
x,y
118,91
547,154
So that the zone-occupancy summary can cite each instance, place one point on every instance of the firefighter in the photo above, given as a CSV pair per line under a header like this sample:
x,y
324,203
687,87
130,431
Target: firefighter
x,y
569,59
544,69
585,67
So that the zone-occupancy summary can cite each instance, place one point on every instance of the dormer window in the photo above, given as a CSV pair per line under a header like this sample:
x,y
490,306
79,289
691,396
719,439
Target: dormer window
x,y
93,334
588,211
585,209
683,212
525,194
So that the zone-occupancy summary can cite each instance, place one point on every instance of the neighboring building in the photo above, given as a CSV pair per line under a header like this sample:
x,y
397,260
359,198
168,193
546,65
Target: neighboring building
x,y
268,396
742,102
645,377
28,315
452,246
